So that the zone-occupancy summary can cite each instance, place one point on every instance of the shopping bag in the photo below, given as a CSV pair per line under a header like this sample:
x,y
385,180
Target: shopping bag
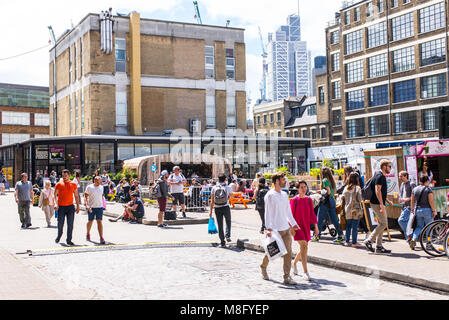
x,y
212,229
56,213
411,225
274,246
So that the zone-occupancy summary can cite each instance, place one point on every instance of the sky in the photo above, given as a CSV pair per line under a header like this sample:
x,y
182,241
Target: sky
x,y
24,27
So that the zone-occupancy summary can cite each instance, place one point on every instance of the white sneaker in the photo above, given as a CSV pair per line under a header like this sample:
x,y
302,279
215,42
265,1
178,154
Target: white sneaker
x,y
306,276
295,270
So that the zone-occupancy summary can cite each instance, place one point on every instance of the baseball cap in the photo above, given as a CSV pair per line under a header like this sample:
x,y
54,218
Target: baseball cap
x,y
164,173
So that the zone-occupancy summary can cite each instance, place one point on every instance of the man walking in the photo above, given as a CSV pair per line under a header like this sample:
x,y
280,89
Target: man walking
x,y
278,217
220,195
93,198
378,201
24,195
176,182
65,190
405,196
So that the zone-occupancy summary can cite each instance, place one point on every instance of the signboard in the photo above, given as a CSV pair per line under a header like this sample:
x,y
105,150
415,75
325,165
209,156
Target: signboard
x,y
412,168
434,148
153,168
41,154
392,177
57,154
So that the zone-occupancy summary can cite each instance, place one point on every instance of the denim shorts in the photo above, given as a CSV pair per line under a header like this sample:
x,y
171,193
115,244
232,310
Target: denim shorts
x,y
95,214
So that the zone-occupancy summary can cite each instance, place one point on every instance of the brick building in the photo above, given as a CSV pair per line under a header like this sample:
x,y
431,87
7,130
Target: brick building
x,y
23,113
153,76
386,71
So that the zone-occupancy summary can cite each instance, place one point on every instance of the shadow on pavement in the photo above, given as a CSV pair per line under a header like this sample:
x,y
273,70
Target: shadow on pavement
x,y
31,228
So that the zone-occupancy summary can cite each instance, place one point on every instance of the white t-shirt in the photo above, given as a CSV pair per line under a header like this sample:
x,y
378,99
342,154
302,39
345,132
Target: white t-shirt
x,y
176,188
95,196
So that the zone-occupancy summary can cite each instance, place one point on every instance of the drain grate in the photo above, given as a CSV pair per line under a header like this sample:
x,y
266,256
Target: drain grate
x,y
113,247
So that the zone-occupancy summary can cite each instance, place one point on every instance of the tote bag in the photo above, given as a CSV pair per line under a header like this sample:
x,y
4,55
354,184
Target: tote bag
x,y
274,246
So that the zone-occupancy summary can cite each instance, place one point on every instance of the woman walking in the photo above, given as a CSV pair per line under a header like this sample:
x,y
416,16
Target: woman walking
x,y
327,207
423,205
352,195
347,172
77,180
302,210
47,202
259,195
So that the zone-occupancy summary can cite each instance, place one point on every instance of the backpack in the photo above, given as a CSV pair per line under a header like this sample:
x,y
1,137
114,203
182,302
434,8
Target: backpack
x,y
156,192
260,199
368,189
220,196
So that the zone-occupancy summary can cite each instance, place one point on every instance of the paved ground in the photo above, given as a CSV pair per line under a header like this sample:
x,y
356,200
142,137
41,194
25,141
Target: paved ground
x,y
174,273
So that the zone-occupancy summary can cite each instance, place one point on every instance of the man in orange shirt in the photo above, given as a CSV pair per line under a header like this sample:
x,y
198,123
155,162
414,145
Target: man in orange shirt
x,y
64,192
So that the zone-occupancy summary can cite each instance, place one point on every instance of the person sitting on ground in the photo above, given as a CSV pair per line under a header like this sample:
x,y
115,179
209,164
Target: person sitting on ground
x,y
135,210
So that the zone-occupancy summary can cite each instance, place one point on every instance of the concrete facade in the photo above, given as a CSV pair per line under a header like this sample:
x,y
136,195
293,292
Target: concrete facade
x,y
163,84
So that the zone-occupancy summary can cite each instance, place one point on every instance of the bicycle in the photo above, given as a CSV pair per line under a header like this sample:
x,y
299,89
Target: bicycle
x,y
433,238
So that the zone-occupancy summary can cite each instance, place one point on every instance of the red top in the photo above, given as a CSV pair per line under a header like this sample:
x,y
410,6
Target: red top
x,y
302,210
66,190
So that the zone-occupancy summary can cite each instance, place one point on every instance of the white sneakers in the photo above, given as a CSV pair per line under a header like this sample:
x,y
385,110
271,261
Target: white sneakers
x,y
305,275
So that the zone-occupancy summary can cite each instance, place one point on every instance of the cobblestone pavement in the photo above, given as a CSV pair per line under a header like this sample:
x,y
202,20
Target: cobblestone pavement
x,y
207,273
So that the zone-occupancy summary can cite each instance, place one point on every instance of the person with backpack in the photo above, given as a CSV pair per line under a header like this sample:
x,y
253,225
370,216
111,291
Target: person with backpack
x,y
160,192
303,212
405,196
375,190
352,196
328,206
423,205
259,195
176,182
220,195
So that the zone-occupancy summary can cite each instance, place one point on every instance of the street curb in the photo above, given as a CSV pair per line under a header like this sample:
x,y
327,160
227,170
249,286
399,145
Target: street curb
x,y
361,270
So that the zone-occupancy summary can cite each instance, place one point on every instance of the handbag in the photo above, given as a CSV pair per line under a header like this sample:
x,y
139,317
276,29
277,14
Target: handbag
x,y
46,201
212,229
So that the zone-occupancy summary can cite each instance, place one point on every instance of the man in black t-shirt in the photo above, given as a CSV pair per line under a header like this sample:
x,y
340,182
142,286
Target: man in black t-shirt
x,y
377,203
135,209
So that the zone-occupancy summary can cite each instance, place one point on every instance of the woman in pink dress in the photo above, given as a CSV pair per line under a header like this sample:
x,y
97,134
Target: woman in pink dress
x,y
302,210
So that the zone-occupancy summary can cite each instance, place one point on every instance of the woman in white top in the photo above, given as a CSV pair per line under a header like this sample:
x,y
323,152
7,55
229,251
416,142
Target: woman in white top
x,y
47,202
77,181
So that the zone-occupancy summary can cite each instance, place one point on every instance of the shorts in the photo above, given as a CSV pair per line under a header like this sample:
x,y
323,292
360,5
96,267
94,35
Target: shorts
x,y
137,214
162,204
95,214
178,198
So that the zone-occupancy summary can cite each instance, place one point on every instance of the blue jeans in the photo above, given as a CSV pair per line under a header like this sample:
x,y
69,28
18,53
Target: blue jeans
x,y
423,217
403,220
63,212
352,226
324,211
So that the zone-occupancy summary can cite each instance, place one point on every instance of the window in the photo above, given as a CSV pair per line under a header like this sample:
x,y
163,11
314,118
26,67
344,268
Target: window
x,y
355,100
304,133
258,119
81,58
323,133
430,119
313,132
335,37
355,128
377,66
337,138
70,65
433,86
394,3
279,117
82,108
264,118
379,125
321,95
357,14
16,118
432,52
402,27
406,1
404,91
354,71
74,61
121,109
210,62
377,35
10,138
76,113
404,59
287,134
335,62
431,18
279,134
378,96
380,6
42,119
296,133
231,120
210,112
311,110
353,42
120,55
336,90
348,17
336,117
71,114
271,117
369,9
405,122
230,64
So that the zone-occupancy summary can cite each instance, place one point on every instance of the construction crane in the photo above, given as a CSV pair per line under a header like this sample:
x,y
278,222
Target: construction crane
x,y
197,12
263,83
